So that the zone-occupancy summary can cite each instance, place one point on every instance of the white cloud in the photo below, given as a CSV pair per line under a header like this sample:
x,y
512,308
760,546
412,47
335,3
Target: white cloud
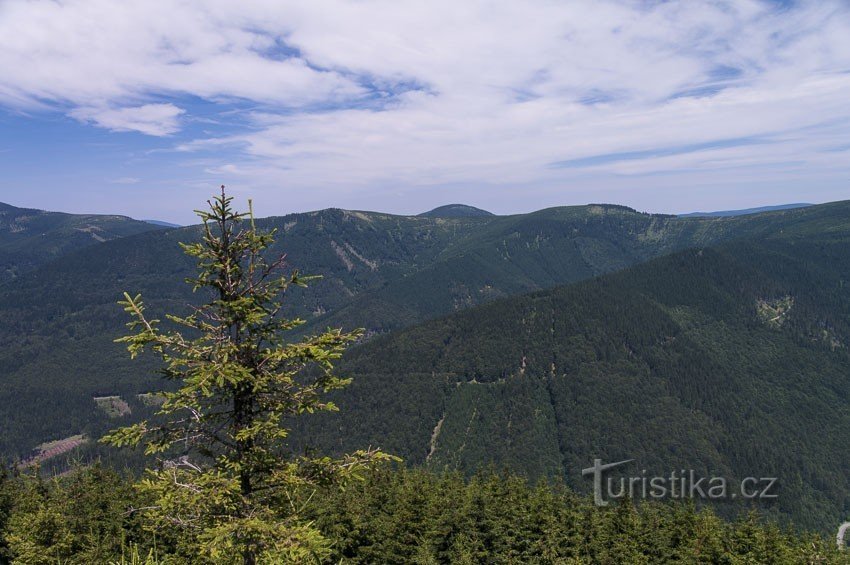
x,y
84,52
377,93
152,119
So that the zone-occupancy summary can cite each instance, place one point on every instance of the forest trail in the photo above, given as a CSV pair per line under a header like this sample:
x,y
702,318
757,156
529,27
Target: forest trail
x,y
842,529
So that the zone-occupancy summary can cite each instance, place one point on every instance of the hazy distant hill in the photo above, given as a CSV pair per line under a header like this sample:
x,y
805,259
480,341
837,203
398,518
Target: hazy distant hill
x,y
730,360
456,211
29,238
726,213
163,224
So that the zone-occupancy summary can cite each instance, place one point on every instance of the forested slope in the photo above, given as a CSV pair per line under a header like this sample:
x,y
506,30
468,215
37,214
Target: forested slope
x,y
58,322
29,238
380,271
731,361
516,254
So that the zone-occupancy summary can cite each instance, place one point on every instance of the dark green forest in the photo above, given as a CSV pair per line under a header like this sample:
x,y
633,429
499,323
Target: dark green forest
x,y
399,516
730,360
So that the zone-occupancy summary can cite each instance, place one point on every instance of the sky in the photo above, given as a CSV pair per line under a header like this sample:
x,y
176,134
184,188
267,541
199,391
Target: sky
x,y
144,107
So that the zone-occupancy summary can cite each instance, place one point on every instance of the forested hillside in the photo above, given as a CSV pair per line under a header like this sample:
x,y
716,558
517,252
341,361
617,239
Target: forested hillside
x,y
516,254
58,322
730,360
29,238
713,345
380,272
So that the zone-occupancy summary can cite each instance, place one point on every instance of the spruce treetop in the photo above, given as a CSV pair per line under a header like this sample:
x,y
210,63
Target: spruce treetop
x,y
227,475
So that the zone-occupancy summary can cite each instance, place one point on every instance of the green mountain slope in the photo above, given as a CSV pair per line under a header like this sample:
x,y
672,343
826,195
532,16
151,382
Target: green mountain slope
x,y
380,271
510,255
57,323
29,238
732,361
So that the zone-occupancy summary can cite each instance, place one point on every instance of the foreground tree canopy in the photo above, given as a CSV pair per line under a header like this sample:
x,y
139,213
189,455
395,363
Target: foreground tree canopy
x,y
399,517
228,476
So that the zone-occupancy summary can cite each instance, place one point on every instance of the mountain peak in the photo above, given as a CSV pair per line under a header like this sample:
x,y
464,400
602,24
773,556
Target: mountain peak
x,y
9,208
456,211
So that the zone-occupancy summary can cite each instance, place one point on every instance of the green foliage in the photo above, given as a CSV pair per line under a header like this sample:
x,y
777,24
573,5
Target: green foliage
x,y
7,503
237,377
675,345
81,520
133,556
421,517
403,516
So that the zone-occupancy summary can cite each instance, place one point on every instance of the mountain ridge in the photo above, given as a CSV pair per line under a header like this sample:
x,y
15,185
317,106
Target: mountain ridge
x,y
30,238
455,211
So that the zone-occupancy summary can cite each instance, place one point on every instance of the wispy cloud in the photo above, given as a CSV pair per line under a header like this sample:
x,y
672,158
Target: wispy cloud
x,y
369,94
604,159
151,119
125,180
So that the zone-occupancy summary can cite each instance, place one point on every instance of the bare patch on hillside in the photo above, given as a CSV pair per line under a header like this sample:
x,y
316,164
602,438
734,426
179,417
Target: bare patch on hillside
x,y
92,231
343,256
830,339
358,215
52,449
151,398
373,265
774,312
434,435
114,406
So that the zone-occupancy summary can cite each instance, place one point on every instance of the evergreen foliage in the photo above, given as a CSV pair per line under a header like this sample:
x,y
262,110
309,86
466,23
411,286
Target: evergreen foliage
x,y
401,517
674,362
231,482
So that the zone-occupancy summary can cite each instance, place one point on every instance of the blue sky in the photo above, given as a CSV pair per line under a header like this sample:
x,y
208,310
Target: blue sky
x,y
143,108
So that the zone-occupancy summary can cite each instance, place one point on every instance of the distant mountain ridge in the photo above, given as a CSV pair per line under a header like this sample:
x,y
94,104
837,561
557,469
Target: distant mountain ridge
x,y
163,224
456,211
30,237
745,211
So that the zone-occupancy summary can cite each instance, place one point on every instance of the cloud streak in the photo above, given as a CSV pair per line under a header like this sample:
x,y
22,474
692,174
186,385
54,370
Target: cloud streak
x,y
151,119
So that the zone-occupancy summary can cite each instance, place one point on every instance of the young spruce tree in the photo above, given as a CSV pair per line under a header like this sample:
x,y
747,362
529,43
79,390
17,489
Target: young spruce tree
x,y
229,480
